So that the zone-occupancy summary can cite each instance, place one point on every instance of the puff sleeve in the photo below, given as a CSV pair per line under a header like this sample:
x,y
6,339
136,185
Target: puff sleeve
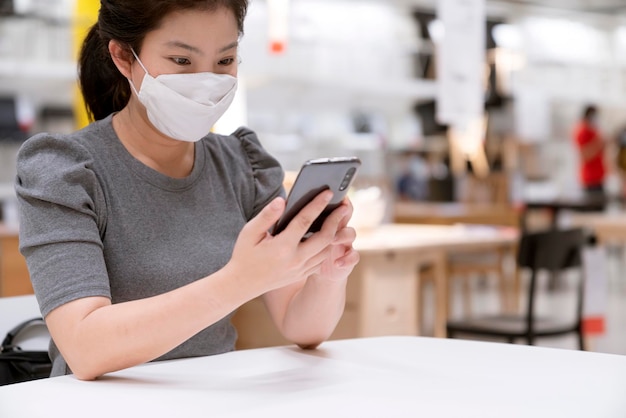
x,y
267,172
62,217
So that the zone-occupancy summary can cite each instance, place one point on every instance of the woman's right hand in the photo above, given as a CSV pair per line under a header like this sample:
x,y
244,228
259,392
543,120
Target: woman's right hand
x,y
264,262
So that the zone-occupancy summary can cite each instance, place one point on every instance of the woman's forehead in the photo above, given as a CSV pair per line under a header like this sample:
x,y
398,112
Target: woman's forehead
x,y
197,30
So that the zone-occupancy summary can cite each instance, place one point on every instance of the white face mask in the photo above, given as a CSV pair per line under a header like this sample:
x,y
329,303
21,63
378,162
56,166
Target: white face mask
x,y
185,106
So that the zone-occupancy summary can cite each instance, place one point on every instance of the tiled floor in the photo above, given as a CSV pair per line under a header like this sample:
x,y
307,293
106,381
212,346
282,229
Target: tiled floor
x,y
560,302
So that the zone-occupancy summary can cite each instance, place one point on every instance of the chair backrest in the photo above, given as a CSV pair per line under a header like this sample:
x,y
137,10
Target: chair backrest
x,y
552,250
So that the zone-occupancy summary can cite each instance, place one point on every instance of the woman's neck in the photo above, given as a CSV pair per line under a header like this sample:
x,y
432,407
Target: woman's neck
x,y
169,157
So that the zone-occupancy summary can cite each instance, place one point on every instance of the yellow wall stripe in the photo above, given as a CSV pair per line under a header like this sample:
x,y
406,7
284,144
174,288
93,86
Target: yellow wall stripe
x,y
85,15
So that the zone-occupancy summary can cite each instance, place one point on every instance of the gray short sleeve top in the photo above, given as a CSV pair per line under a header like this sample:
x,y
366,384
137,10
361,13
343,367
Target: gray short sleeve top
x,y
95,221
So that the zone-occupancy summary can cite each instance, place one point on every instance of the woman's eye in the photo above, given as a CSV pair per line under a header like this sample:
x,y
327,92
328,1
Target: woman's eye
x,y
181,61
227,61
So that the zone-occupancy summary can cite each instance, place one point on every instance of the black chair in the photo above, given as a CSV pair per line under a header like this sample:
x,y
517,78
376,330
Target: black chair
x,y
552,251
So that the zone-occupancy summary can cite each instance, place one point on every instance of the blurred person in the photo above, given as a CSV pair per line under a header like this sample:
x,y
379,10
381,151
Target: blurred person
x,y
144,232
591,147
620,162
412,181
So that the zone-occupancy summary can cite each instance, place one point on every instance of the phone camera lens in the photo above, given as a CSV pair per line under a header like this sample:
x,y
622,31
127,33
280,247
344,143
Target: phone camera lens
x,y
346,179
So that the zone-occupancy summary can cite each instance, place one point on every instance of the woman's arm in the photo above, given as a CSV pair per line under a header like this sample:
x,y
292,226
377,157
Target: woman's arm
x,y
308,311
96,337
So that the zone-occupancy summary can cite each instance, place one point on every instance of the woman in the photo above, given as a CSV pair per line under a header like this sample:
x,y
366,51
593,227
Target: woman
x,y
143,232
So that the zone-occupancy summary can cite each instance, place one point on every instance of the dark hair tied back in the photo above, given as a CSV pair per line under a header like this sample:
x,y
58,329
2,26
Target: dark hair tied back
x,y
105,90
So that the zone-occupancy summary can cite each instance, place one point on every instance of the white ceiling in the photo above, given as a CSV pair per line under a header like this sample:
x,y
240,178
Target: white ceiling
x,y
607,8
594,6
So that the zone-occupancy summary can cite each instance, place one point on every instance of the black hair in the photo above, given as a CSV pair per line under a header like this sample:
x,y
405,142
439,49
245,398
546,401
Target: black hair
x,y
105,90
589,112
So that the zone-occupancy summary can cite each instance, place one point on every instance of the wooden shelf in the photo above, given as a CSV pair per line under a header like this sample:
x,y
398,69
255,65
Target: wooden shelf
x,y
14,277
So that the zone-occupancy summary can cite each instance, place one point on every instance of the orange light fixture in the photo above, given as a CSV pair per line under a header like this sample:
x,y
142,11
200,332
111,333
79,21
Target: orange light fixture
x,y
278,24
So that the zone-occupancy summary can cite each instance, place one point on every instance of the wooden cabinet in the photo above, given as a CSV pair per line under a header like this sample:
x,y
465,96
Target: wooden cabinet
x,y
14,278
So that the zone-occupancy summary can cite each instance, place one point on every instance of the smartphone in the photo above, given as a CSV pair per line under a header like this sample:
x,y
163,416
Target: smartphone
x,y
315,176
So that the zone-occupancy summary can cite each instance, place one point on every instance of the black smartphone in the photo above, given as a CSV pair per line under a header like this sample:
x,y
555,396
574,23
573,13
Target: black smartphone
x,y
315,176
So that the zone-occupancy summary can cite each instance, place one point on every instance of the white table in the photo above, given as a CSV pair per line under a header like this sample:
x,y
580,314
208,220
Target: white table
x,y
374,377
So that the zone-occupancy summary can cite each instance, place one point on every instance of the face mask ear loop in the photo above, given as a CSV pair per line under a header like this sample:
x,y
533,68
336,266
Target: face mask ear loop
x,y
139,61
144,68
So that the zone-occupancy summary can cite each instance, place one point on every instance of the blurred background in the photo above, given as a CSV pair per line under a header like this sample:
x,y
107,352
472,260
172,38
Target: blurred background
x,y
322,77
470,102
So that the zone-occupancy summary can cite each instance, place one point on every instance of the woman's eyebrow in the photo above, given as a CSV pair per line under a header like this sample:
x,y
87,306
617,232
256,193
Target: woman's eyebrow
x,y
190,48
179,44
230,46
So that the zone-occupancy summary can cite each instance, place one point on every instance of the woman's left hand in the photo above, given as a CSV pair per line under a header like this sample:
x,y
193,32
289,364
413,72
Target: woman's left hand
x,y
342,257
307,311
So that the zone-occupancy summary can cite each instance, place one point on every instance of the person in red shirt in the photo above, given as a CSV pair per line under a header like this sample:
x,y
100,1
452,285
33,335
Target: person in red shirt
x,y
591,151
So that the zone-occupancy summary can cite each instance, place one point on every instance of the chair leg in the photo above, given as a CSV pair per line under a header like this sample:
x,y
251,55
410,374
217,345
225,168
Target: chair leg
x,y
581,340
424,277
503,288
421,300
467,296
511,340
531,340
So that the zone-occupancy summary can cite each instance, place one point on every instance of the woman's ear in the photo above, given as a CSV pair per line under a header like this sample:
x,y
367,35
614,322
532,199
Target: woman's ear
x,y
122,59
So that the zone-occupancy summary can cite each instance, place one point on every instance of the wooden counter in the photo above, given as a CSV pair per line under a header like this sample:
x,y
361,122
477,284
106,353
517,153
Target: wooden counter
x,y
14,278
453,213
609,228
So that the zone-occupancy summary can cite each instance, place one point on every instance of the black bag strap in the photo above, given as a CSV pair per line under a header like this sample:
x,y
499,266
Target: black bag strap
x,y
27,356
7,343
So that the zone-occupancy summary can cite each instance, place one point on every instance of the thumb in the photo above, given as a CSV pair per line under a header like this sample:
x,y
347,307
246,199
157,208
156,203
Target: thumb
x,y
266,219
